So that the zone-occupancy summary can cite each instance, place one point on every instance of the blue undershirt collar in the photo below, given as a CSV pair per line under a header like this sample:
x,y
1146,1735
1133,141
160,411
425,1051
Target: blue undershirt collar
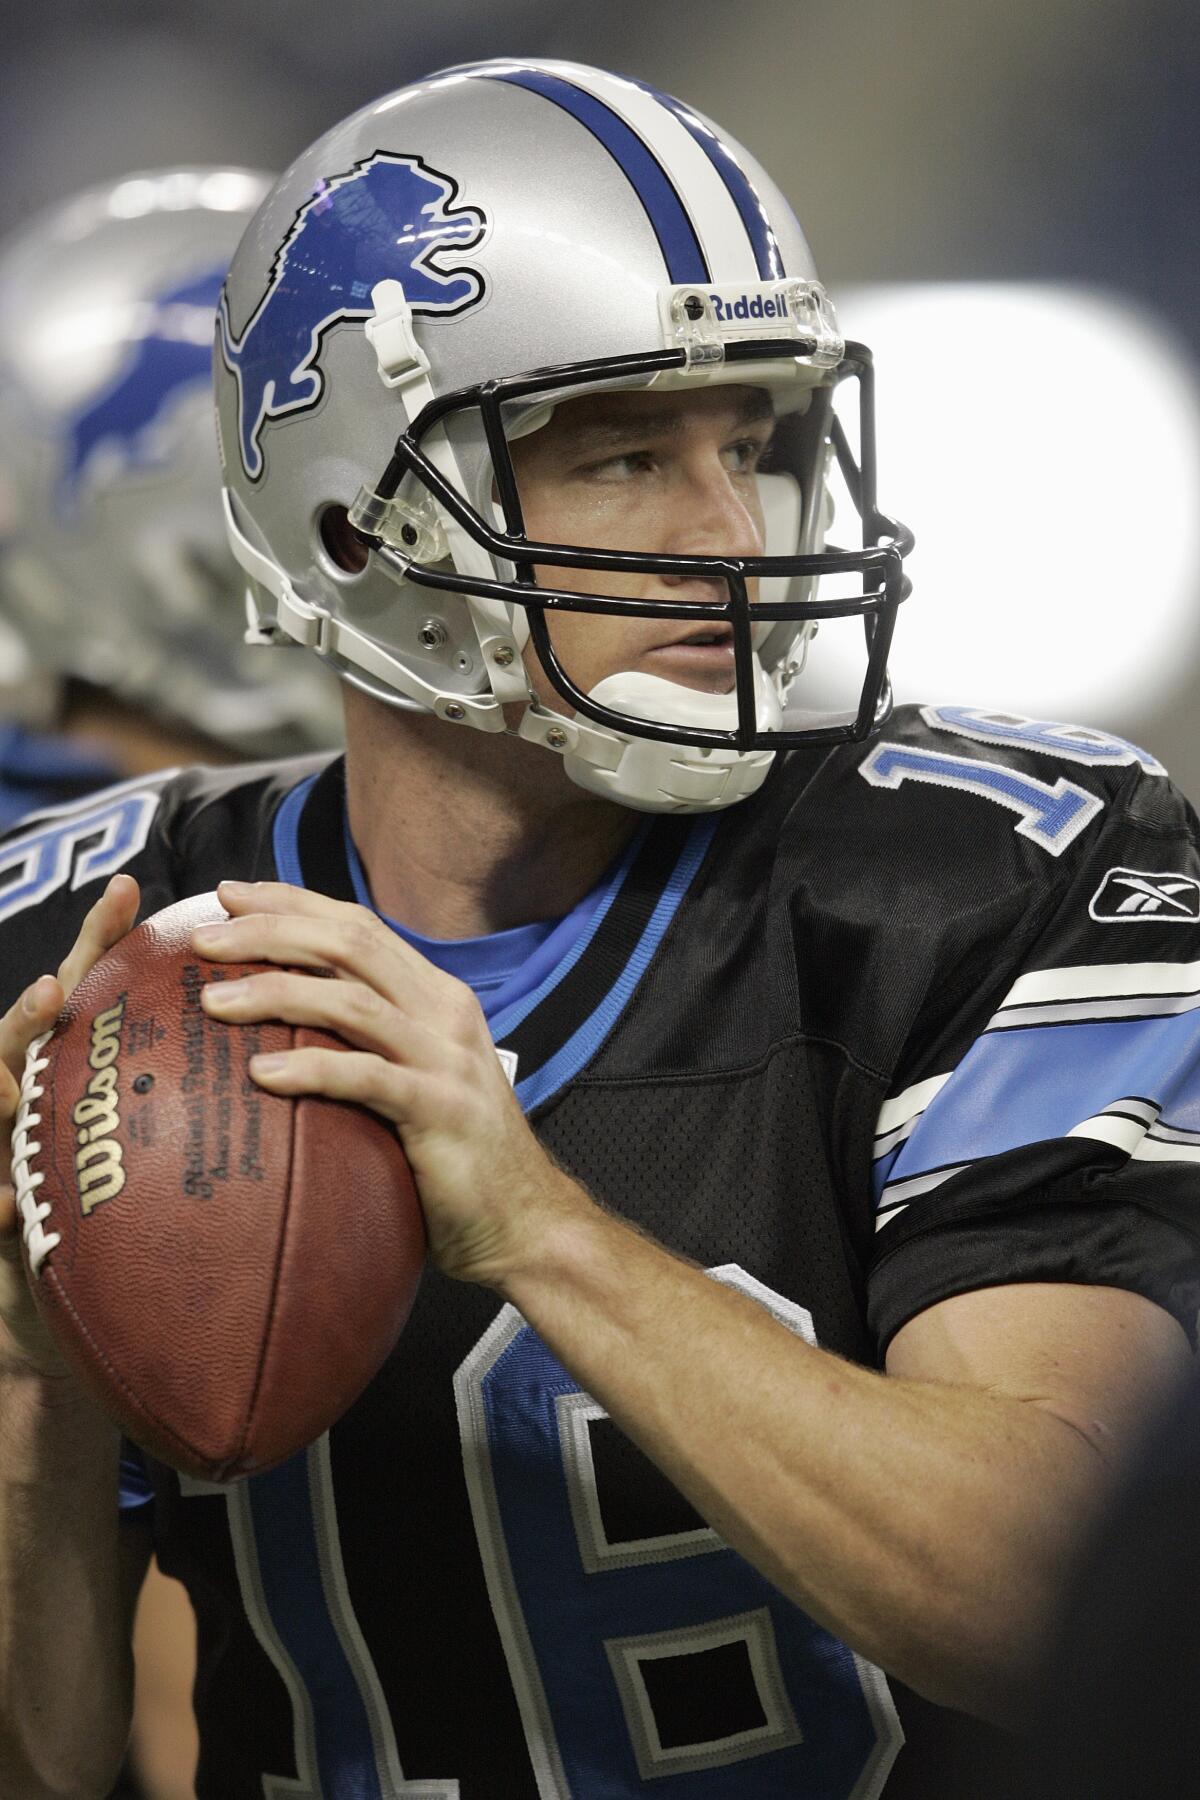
x,y
503,967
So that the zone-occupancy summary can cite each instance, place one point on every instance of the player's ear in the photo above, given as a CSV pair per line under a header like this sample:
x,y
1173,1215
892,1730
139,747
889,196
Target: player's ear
x,y
342,543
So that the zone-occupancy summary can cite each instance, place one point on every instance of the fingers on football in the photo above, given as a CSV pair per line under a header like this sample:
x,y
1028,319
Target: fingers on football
x,y
345,938
354,1011
354,1075
241,897
107,922
31,1013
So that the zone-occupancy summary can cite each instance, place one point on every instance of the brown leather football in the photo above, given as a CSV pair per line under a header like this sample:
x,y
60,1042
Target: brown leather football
x,y
224,1268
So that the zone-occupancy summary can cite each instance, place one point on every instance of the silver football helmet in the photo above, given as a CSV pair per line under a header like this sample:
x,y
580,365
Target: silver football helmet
x,y
114,566
420,290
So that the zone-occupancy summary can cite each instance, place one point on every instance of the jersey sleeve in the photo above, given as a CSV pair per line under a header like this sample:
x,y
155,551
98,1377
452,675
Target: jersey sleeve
x,y
55,864
178,833
1056,1136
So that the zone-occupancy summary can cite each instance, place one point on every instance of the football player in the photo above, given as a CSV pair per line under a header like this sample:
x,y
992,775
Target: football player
x,y
121,611
805,1105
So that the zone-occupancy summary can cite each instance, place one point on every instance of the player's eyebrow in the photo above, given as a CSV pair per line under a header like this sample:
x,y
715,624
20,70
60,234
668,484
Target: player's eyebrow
x,y
614,424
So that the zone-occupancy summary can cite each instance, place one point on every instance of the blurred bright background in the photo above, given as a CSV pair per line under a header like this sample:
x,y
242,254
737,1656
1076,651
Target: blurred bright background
x,y
1003,197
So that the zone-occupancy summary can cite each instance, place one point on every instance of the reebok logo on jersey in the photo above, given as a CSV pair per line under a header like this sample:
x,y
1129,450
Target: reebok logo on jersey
x,y
1127,895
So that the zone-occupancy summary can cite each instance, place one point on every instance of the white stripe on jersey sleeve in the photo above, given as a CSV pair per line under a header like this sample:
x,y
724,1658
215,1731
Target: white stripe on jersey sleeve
x,y
708,202
896,1197
1171,1134
906,1108
1103,981
1135,1140
1081,1012
1155,1149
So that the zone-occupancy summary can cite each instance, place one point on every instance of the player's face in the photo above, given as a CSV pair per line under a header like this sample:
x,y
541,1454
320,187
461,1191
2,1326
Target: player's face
x,y
672,474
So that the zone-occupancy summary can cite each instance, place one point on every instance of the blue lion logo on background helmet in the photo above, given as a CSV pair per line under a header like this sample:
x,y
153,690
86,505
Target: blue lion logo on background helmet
x,y
389,218
173,351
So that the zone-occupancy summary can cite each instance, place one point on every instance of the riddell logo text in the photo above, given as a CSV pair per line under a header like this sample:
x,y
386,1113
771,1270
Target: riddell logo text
x,y
98,1160
747,306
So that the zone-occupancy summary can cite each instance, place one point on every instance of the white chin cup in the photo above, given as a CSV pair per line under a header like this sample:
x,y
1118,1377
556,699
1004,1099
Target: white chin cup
x,y
652,776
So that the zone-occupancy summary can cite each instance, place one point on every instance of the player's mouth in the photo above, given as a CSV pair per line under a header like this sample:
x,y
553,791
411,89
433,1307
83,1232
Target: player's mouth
x,y
698,651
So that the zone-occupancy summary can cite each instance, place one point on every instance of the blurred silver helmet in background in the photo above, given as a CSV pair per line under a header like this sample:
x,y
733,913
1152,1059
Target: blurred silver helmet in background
x,y
422,287
114,566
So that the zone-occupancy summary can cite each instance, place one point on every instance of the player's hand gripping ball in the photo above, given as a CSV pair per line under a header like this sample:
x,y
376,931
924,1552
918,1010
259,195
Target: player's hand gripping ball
x,y
225,1269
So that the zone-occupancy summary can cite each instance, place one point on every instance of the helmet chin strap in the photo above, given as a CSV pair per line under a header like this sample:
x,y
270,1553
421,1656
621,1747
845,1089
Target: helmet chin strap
x,y
647,774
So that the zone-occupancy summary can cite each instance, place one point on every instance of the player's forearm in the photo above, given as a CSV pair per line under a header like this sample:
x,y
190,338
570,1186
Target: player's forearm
x,y
921,1523
65,1665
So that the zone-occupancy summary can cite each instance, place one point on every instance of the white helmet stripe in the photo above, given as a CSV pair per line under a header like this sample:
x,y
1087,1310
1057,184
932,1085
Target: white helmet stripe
x,y
745,195
728,248
709,206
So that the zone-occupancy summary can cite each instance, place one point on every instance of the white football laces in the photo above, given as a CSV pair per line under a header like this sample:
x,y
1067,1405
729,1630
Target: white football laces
x,y
26,1180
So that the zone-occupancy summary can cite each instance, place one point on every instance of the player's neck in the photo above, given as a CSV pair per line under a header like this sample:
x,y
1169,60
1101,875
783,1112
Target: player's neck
x,y
463,833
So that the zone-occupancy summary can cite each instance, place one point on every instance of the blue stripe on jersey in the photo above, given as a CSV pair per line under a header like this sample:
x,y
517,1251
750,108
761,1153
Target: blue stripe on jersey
x,y
511,972
489,965
665,210
741,189
555,957
548,975
285,844
289,1560
1027,1085
587,1039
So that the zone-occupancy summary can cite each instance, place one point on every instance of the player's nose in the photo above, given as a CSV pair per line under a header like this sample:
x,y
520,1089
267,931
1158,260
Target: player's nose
x,y
714,512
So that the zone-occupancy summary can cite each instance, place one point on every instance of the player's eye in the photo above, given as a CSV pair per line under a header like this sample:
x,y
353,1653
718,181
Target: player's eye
x,y
625,466
745,456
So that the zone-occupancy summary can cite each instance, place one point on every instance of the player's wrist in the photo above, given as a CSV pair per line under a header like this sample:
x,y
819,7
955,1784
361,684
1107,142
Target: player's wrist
x,y
522,1244
564,1251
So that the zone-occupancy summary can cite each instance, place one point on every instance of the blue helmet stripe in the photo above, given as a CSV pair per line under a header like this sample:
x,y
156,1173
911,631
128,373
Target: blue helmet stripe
x,y
741,189
672,227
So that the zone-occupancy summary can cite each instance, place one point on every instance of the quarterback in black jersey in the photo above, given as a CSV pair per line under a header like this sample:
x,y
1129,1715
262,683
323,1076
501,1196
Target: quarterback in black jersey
x,y
806,1118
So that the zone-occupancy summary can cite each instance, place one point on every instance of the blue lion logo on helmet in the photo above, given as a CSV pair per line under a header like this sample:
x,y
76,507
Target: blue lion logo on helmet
x,y
389,218
173,351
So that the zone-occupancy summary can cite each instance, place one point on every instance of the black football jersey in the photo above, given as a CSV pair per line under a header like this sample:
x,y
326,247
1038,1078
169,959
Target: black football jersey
x,y
922,1016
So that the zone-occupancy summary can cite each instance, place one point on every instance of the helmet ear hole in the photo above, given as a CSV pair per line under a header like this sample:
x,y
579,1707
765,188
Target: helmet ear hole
x,y
342,544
